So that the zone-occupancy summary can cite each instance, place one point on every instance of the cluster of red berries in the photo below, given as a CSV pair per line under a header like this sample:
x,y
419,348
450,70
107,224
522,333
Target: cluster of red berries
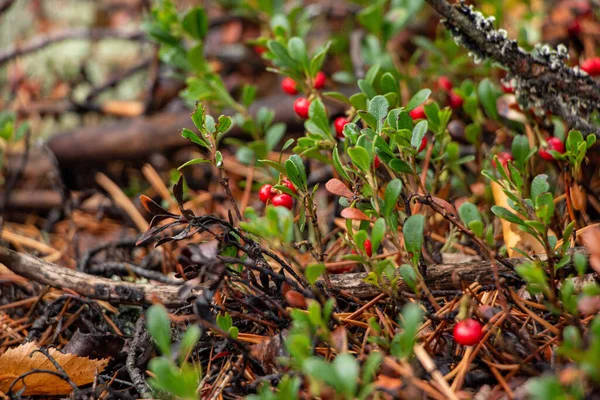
x,y
302,104
454,99
267,193
591,66
553,143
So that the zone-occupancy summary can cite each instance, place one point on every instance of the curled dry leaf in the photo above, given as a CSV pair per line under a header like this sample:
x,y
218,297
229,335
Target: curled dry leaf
x,y
295,299
354,213
447,207
337,187
268,351
578,197
19,360
339,339
590,239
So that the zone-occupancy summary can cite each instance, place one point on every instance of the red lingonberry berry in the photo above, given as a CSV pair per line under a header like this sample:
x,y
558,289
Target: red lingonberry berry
x,y
468,332
504,157
283,200
423,144
574,27
301,106
507,87
320,80
418,113
339,124
368,248
555,144
259,50
289,85
290,185
455,100
265,193
445,83
591,66
376,162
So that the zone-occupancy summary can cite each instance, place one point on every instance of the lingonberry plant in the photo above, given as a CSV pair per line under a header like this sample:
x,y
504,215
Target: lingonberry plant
x,y
393,155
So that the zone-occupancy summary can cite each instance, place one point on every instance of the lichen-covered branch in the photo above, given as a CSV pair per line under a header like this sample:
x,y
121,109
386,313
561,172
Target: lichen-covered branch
x,y
541,78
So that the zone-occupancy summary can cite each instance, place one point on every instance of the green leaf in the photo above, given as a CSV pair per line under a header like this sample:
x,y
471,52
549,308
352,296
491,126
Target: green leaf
x,y
198,117
282,58
417,99
297,51
468,212
371,17
338,164
359,101
360,158
319,369
413,233
195,23
313,272
539,185
520,149
317,61
193,161
189,340
295,172
377,234
318,117
388,83
507,215
224,124
159,327
400,166
390,198
218,159
274,135
418,134
337,96
366,88
409,276
248,95
378,107
488,94
347,369
544,207
194,138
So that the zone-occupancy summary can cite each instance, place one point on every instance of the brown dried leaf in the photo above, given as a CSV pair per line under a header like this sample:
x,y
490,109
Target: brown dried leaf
x,y
354,213
295,299
268,351
19,360
590,239
339,339
337,187
448,208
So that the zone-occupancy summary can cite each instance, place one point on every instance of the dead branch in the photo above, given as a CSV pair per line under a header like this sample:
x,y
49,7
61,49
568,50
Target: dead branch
x,y
40,42
88,285
439,277
542,79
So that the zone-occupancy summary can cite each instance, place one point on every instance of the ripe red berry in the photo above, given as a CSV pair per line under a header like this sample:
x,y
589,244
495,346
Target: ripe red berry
x,y
301,106
320,80
289,85
265,193
507,88
591,66
455,100
423,144
504,157
445,83
574,27
555,144
259,50
376,162
368,248
339,124
468,332
283,200
290,185
418,113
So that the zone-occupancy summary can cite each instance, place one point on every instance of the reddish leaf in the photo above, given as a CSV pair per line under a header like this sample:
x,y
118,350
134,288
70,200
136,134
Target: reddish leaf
x,y
337,187
354,213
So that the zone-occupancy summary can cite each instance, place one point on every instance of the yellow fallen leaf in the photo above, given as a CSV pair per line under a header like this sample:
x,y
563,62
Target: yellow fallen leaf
x,y
19,360
513,236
